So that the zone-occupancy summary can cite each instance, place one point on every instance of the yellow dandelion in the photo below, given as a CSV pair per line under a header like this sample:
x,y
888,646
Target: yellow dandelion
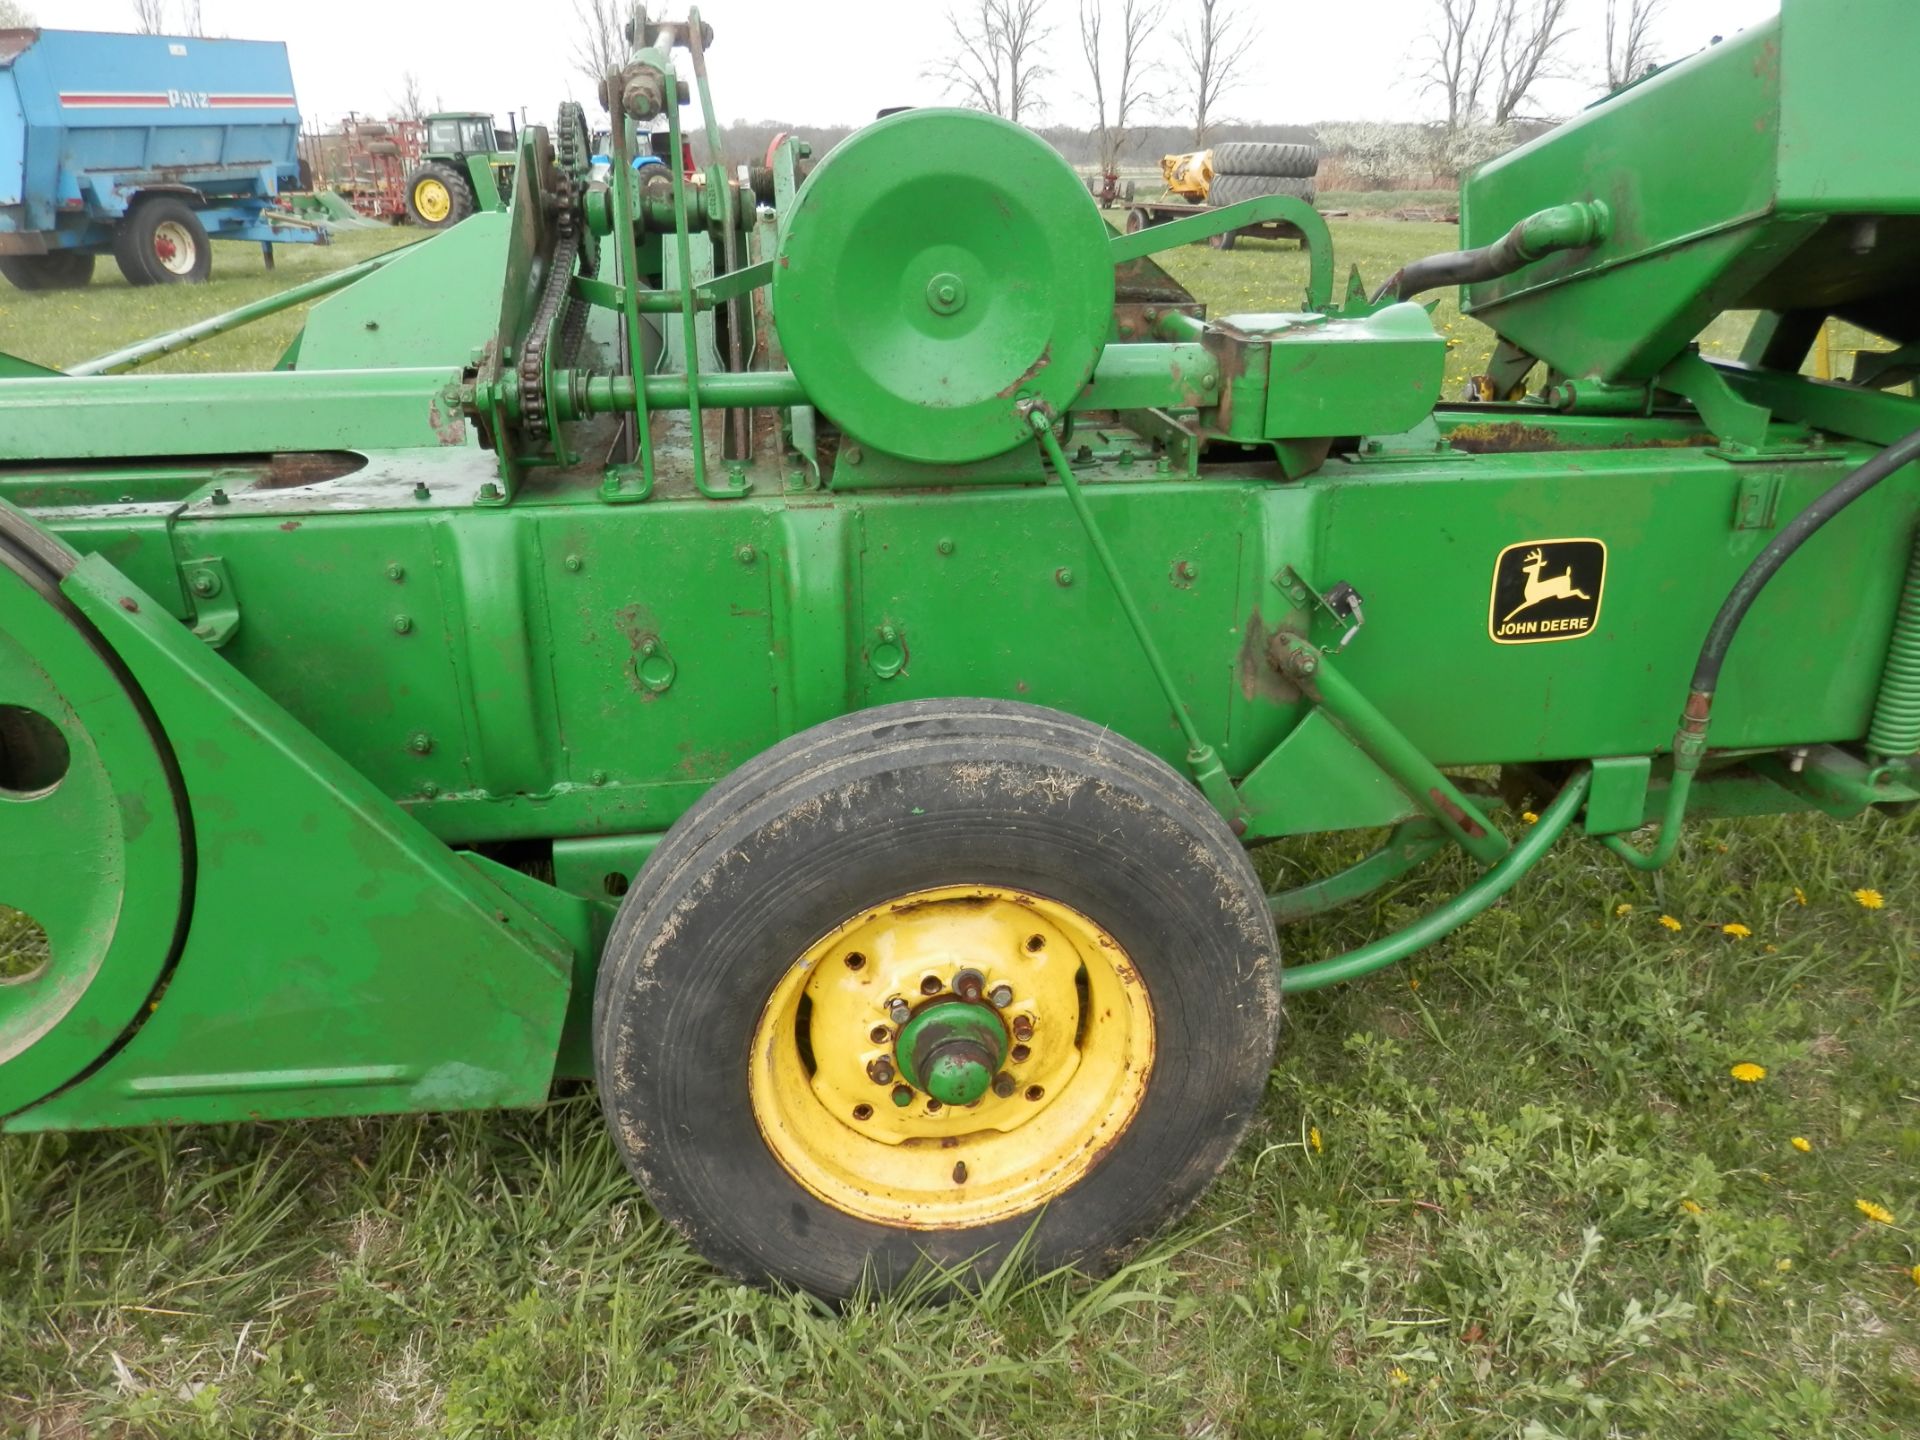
x,y
1736,930
1799,896
1802,1144
1623,908
1529,817
1671,923
1398,1376
1914,1274
1747,1073
1869,899
1783,1264
1693,1207
1313,1138
1879,1214
1413,983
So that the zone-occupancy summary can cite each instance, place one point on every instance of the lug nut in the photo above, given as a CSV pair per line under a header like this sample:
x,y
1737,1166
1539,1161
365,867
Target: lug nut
x,y
1003,1085
903,1095
899,1011
1023,1027
968,984
880,1071
1001,996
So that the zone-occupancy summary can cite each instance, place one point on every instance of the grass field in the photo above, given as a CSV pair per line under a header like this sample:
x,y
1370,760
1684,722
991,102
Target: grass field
x,y
1513,1189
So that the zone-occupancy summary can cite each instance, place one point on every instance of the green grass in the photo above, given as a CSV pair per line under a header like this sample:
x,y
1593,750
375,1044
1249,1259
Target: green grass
x,y
1539,1205
61,328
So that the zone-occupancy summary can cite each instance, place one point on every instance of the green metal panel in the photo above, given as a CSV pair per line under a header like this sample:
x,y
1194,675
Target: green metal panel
x,y
341,961
418,310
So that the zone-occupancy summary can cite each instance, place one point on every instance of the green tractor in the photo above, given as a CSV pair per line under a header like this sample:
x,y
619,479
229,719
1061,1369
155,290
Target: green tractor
x,y
467,166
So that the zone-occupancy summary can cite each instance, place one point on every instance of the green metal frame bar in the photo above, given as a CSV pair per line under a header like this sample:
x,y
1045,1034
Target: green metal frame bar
x,y
117,361
1192,229
1390,749
1208,773
614,485
1411,844
1472,901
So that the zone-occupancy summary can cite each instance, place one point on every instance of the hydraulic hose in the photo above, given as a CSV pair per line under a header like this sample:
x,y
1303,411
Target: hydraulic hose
x,y
1690,740
1449,917
1564,227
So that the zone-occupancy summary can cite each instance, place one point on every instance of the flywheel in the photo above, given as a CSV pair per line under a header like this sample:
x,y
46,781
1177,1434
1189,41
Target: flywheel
x,y
93,845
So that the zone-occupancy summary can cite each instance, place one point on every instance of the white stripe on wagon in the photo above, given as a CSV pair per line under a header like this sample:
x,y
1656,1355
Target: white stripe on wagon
x,y
162,100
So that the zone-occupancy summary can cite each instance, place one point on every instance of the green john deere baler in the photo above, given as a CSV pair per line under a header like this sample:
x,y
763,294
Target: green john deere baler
x,y
813,654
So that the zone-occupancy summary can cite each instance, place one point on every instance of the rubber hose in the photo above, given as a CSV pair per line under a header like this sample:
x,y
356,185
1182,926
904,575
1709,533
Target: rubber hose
x,y
1706,672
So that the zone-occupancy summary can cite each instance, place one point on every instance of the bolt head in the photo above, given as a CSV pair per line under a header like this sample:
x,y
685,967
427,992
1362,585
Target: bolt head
x,y
1063,577
396,573
1003,1085
899,1011
598,777
204,584
649,647
575,563
746,554
1000,996
945,547
902,1095
420,743
402,624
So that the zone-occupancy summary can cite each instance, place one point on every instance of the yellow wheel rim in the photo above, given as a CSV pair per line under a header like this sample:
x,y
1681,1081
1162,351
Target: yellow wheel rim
x,y
825,1074
431,199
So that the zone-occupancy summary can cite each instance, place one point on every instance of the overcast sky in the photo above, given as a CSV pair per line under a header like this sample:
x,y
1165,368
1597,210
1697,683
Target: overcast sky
x,y
837,61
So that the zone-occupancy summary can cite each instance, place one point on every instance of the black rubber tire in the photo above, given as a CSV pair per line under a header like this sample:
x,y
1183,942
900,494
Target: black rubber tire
x,y
1137,220
459,196
1223,241
134,243
1263,157
56,270
1231,189
867,807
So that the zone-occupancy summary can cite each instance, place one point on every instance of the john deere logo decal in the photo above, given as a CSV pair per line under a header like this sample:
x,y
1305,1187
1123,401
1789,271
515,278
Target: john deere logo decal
x,y
1547,590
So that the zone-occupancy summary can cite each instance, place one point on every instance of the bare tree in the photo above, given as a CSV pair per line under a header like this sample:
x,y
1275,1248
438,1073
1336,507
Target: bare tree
x,y
1215,46
411,104
190,22
1120,73
1527,35
1457,59
993,62
1485,57
149,17
14,16
1630,52
600,42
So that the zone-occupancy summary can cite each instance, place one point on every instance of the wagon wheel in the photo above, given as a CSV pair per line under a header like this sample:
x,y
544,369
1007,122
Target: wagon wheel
x,y
91,839
929,977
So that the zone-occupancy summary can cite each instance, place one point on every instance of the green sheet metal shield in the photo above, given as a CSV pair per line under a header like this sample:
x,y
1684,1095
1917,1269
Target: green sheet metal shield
x,y
937,268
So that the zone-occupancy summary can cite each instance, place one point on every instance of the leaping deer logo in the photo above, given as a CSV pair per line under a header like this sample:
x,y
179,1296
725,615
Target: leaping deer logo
x,y
1560,587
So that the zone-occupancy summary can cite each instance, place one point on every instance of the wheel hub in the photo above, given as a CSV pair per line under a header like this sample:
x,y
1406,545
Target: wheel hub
x,y
952,1050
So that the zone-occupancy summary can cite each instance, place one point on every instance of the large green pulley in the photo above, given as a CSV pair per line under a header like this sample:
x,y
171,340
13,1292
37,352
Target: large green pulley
x,y
91,842
936,270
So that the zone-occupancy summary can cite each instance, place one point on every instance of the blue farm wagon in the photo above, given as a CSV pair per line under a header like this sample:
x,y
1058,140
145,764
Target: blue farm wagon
x,y
142,146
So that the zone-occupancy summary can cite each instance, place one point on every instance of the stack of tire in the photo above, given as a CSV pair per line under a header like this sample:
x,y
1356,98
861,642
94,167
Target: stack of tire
x,y
1247,169
1250,169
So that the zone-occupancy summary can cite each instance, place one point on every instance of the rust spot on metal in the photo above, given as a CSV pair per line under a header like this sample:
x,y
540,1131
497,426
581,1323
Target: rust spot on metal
x,y
289,525
1045,359
128,604
1515,437
1454,813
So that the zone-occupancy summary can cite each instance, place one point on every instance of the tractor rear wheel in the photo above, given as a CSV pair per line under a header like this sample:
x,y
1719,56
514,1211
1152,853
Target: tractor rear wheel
x,y
162,242
926,982
1263,157
438,196
57,270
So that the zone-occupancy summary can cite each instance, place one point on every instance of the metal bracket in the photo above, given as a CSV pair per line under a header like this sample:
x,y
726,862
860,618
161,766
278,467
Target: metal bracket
x,y
1343,602
216,610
